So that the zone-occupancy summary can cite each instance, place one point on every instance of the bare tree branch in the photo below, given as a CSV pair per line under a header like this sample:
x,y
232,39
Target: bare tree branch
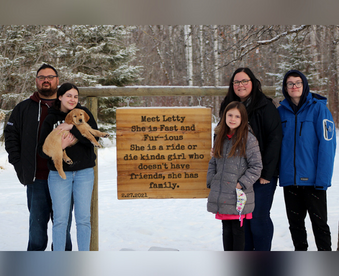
x,y
247,48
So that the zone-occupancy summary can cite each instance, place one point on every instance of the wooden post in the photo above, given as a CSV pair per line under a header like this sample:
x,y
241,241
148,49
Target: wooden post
x,y
92,105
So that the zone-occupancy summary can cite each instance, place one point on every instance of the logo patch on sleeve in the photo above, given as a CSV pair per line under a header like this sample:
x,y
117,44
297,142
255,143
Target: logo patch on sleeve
x,y
328,127
304,178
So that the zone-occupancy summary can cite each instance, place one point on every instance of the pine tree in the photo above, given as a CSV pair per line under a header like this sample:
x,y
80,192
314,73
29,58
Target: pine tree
x,y
296,55
84,55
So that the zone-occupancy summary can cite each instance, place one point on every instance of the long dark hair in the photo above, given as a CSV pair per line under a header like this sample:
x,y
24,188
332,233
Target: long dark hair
x,y
239,139
61,91
231,96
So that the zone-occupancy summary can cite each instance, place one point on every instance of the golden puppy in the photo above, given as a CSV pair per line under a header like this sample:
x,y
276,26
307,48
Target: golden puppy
x,y
52,145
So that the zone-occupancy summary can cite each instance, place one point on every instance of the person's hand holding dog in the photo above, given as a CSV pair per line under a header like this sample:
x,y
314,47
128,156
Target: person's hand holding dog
x,y
64,126
67,140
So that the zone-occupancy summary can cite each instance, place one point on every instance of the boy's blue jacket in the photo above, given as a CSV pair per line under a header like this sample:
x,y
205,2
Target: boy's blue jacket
x,y
309,140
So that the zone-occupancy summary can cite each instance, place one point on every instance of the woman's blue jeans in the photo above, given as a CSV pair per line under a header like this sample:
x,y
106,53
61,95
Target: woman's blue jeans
x,y
80,184
40,212
259,229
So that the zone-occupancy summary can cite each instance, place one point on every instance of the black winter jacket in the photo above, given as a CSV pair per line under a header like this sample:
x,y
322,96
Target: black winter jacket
x,y
265,122
21,137
82,153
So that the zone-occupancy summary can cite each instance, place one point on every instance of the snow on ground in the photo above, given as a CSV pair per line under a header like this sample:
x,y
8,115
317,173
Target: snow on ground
x,y
139,224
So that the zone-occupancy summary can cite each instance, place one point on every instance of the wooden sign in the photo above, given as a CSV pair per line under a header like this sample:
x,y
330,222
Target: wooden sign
x,y
163,152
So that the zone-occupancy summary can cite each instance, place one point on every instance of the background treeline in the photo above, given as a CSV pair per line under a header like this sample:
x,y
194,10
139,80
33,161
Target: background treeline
x,y
181,55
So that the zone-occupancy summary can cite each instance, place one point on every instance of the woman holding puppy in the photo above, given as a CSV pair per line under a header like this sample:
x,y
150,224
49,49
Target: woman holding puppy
x,y
79,175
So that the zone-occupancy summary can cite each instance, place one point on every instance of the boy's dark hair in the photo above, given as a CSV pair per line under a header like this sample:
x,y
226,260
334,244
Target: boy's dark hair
x,y
44,66
293,74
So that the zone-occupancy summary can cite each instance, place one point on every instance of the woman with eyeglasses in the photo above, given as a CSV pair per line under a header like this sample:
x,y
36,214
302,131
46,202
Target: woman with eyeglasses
x,y
264,120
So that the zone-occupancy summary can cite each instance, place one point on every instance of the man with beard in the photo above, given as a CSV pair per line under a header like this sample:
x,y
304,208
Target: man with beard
x,y
21,139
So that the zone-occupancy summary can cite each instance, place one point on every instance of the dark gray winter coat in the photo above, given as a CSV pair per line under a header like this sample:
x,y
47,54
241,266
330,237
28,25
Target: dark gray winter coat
x,y
224,174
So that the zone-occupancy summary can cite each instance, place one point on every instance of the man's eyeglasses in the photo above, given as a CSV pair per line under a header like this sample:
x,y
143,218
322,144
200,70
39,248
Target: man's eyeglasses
x,y
297,84
243,82
50,78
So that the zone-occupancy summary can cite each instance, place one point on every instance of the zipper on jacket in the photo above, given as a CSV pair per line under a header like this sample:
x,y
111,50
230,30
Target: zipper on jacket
x,y
295,145
37,140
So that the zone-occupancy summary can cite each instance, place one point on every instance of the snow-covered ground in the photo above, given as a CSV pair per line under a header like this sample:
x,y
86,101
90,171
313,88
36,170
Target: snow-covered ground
x,y
141,224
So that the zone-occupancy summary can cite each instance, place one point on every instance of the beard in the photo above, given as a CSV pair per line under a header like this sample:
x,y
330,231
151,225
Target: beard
x,y
47,91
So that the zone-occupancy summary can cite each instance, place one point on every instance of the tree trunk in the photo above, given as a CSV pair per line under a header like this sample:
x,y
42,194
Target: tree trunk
x,y
189,58
313,40
333,73
162,63
216,65
170,34
201,41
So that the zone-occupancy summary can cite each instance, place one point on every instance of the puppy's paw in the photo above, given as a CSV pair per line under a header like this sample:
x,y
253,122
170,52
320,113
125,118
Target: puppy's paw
x,y
69,162
97,145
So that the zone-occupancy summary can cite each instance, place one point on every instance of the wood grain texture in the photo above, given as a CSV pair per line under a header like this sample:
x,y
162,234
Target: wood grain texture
x,y
163,152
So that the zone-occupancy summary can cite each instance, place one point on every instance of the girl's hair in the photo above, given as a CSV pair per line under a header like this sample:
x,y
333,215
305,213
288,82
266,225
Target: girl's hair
x,y
61,91
239,139
231,96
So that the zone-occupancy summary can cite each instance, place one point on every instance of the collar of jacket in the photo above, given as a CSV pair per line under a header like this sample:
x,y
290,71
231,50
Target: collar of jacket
x,y
311,98
36,98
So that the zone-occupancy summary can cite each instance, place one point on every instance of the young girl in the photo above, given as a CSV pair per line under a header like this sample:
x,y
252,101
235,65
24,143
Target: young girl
x,y
234,168
79,175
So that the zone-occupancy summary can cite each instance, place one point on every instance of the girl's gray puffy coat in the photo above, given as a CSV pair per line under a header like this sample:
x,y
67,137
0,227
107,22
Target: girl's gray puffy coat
x,y
224,174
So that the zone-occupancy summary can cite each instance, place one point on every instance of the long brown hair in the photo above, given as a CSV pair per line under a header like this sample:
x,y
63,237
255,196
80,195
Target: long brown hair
x,y
239,139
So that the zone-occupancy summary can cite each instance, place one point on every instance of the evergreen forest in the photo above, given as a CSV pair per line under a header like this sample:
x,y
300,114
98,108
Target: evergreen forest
x,y
158,55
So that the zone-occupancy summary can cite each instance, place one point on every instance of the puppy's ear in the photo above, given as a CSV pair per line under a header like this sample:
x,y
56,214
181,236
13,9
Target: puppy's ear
x,y
86,116
69,117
